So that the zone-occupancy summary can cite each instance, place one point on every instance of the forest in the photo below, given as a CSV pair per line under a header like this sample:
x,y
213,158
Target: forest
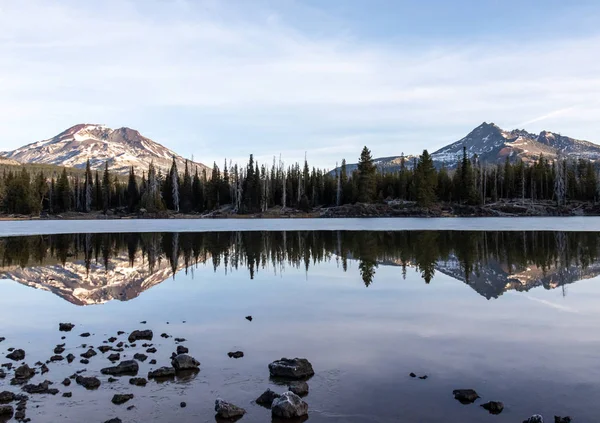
x,y
255,188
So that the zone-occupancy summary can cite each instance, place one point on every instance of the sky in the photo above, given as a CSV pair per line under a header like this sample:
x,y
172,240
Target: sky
x,y
215,79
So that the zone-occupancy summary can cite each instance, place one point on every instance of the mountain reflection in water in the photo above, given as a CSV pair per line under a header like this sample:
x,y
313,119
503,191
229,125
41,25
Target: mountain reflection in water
x,y
96,268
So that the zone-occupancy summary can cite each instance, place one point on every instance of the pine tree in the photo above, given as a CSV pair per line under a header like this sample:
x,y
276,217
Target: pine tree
x,y
87,188
366,177
426,180
133,194
106,191
186,190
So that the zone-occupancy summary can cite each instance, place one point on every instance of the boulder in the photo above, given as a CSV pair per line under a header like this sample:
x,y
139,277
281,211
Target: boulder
x,y
40,388
161,373
44,369
138,381
536,418
89,353
24,372
66,382
16,355
88,382
299,388
151,350
104,348
465,396
140,334
249,318
65,327
67,394
296,368
184,362
140,357
85,335
226,410
127,367
59,349
267,397
494,407
2,339
182,350
6,412
6,397
57,358
112,339
70,358
289,405
2,374
179,339
119,399
114,357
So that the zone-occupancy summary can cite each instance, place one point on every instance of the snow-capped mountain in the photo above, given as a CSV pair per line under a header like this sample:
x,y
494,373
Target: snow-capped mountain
x,y
121,148
492,144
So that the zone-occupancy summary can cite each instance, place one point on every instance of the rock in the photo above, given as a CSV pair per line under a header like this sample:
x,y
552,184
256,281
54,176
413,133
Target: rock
x,y
423,377
6,397
59,349
182,404
70,358
297,368
89,353
536,418
153,361
236,354
299,388
112,339
182,350
115,420
65,327
161,373
40,388
114,357
67,394
112,379
143,322
465,396
7,365
494,407
57,358
151,350
88,382
85,335
6,411
146,345
131,407
140,357
44,369
24,372
412,375
558,419
138,381
184,362
119,333
120,344
180,339
104,348
66,382
2,374
140,334
127,367
267,397
289,405
84,361
16,355
2,339
164,335
227,410
249,318
119,399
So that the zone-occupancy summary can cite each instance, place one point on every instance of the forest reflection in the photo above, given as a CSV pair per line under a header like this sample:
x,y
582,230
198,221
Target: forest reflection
x,y
490,262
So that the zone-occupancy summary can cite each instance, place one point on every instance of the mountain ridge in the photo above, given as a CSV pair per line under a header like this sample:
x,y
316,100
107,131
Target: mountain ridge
x,y
121,148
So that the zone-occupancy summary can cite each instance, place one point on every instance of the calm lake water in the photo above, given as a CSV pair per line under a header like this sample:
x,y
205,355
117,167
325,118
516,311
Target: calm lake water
x,y
511,314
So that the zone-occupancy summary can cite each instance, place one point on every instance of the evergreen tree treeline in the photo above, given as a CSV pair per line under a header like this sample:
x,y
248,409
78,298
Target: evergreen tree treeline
x,y
258,187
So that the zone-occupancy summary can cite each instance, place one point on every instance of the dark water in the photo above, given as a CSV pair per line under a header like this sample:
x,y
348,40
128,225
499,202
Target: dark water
x,y
513,315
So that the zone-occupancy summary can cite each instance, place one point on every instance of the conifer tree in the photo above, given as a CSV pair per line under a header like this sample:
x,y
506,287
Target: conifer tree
x,y
366,177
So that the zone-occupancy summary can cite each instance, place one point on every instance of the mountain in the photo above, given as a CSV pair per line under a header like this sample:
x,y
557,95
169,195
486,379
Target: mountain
x,y
121,148
7,161
492,145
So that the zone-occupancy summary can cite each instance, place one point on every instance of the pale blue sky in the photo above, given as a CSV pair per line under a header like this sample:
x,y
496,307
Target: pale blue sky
x,y
217,78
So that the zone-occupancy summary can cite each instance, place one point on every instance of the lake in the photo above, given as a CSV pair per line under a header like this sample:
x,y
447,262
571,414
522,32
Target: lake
x,y
507,307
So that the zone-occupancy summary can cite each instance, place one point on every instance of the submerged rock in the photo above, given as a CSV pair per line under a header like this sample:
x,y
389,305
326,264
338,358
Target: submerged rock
x,y
127,367
182,404
227,410
40,388
138,381
16,355
536,418
235,354
67,394
115,420
88,382
494,407
161,373
44,369
558,419
180,339
299,388
2,374
184,362
465,396
296,368
267,397
2,339
140,334
119,399
289,405
65,327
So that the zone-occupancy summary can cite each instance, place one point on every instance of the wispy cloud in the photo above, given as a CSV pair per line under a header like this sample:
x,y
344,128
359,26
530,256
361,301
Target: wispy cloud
x,y
553,305
181,70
